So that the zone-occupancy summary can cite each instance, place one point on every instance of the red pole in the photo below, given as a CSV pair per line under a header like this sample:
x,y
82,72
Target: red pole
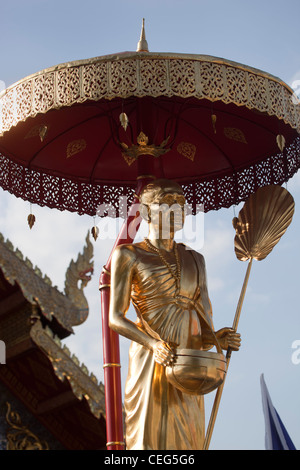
x,y
111,353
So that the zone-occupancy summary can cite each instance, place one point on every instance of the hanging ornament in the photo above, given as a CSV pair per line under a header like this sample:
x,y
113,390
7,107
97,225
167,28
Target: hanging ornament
x,y
31,218
43,132
124,120
280,142
213,120
95,230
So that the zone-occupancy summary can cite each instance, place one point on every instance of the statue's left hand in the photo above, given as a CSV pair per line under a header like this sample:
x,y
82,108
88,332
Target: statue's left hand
x,y
228,338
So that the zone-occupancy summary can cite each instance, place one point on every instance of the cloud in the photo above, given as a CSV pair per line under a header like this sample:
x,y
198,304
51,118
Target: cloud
x,y
293,184
218,245
216,284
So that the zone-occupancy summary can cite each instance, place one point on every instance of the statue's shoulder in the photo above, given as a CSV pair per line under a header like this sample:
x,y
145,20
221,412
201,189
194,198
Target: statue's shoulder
x,y
124,253
198,256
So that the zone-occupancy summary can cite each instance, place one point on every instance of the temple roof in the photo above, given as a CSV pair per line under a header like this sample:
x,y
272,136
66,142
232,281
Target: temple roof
x,y
40,370
69,308
55,387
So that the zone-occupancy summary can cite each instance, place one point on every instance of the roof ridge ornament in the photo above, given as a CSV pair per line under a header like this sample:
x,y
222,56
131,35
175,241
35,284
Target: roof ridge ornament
x,y
142,44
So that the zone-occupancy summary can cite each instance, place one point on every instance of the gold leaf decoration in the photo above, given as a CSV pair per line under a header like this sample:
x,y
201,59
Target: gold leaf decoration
x,y
262,221
37,131
75,147
129,159
233,133
187,150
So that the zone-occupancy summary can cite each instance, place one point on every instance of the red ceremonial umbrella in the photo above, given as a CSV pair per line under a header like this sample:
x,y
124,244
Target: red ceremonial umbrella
x,y
84,133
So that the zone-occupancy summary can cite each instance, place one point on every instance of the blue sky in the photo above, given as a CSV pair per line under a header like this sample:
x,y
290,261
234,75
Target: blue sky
x,y
38,34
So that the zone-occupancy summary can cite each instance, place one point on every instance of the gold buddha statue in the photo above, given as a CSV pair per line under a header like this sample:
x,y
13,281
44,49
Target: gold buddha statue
x,y
166,283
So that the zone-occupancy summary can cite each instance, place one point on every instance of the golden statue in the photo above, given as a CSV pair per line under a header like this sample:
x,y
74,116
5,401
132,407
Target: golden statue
x,y
166,283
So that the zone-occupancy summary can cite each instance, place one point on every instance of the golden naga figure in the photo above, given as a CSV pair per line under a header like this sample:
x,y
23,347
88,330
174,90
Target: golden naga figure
x,y
170,365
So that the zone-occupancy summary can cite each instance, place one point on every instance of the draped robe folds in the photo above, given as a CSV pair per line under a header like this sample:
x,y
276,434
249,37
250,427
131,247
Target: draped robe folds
x,y
159,416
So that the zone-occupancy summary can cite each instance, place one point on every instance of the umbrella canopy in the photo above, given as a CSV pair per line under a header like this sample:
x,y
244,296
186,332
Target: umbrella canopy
x,y
81,134
219,128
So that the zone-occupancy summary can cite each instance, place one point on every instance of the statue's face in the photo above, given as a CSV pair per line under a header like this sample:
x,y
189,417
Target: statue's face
x,y
167,216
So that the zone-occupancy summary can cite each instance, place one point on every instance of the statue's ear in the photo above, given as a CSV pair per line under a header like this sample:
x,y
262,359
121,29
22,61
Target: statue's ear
x,y
145,212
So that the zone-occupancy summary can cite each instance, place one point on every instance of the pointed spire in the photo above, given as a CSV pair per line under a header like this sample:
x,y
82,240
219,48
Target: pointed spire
x,y
142,44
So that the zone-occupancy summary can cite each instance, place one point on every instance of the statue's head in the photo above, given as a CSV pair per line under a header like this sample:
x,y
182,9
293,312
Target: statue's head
x,y
162,204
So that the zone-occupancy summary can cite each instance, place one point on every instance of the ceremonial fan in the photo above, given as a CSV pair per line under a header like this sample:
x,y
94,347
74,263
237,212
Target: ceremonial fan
x,y
259,226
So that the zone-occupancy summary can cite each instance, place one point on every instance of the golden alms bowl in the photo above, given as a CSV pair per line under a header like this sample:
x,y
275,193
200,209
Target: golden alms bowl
x,y
196,372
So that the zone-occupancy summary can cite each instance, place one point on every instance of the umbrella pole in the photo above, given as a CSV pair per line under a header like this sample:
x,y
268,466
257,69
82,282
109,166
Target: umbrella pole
x,y
111,353
219,392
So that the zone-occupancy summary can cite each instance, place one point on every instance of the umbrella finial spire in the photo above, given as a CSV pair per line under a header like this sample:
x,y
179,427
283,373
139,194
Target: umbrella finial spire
x,y
142,44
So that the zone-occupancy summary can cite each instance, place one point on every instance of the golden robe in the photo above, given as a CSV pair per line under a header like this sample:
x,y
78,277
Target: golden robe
x,y
158,416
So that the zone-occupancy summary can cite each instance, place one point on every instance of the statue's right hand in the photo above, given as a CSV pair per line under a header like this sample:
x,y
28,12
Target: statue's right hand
x,y
163,353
